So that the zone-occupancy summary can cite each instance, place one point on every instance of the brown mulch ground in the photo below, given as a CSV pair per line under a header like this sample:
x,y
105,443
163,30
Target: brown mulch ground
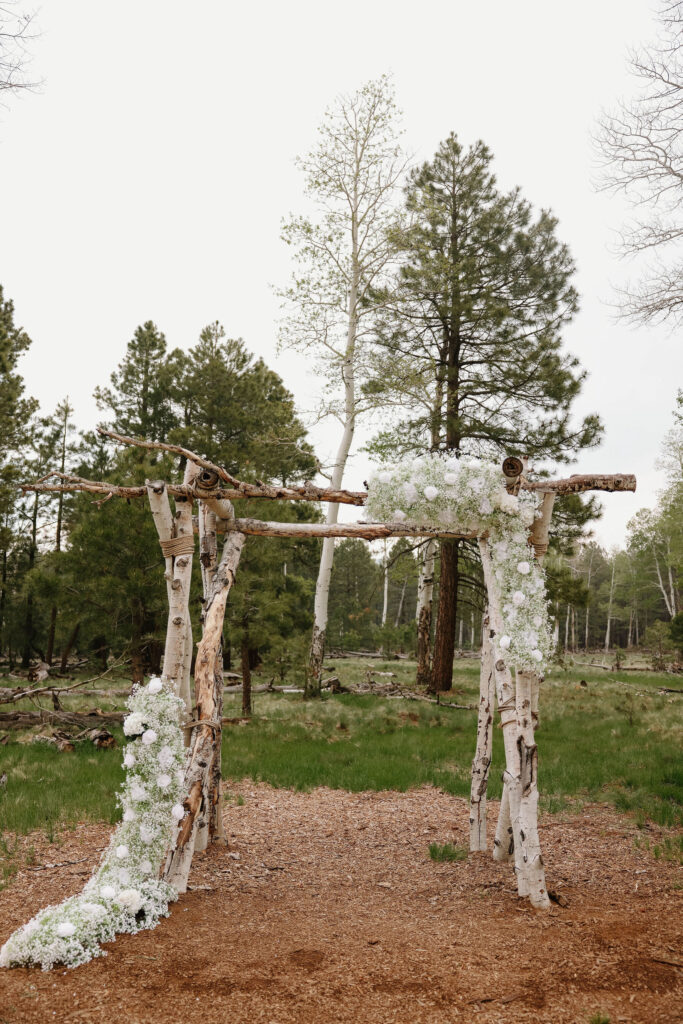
x,y
326,907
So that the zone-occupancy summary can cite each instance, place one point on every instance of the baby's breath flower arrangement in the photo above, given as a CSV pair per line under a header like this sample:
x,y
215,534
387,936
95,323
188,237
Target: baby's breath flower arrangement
x,y
125,894
469,496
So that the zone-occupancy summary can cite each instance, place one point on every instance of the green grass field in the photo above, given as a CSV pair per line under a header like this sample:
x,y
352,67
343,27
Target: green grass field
x,y
615,740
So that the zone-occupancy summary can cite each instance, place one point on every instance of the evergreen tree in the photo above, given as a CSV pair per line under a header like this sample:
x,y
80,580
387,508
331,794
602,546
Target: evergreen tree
x,y
16,410
469,350
139,397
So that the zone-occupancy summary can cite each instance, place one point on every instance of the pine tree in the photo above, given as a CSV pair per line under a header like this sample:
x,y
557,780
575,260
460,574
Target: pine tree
x,y
139,394
469,348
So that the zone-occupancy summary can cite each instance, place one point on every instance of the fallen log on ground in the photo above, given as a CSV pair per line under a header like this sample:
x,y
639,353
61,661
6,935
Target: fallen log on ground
x,y
83,719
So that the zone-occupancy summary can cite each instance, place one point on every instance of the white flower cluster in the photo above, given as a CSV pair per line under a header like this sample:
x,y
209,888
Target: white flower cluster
x,y
469,496
125,894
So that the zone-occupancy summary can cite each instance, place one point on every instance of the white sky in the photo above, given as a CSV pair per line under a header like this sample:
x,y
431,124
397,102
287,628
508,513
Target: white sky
x,y
148,179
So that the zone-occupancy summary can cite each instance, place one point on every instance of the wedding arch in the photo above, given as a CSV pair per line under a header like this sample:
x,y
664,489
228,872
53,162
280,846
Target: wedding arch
x,y
171,797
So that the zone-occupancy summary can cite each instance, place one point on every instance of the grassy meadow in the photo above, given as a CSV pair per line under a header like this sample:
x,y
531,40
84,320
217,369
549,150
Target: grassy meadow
x,y
615,739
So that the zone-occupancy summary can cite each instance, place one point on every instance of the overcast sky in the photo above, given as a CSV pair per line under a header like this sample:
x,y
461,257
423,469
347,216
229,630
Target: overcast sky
x,y
148,178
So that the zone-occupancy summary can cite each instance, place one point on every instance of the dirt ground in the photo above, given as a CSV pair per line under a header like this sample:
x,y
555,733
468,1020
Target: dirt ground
x,y
326,907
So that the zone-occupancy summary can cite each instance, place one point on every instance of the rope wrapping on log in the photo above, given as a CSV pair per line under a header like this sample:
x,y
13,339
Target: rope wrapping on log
x,y
183,545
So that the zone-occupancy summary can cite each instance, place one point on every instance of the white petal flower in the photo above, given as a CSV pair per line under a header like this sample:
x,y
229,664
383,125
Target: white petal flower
x,y
65,929
518,598
146,867
148,737
485,507
537,620
399,515
385,477
536,655
165,757
108,892
504,642
138,792
122,851
129,814
123,875
450,478
96,909
133,724
147,833
155,685
129,760
164,780
410,492
178,811
130,899
431,492
452,463
524,568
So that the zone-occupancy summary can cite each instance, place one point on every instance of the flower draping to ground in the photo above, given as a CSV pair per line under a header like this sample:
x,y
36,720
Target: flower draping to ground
x,y
125,894
469,496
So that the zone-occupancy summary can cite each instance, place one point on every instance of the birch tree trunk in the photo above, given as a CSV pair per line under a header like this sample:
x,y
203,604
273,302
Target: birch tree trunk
x,y
322,587
177,543
198,771
401,599
385,601
210,818
425,593
521,759
482,757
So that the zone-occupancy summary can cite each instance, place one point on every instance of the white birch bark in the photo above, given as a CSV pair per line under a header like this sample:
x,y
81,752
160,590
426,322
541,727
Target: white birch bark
x,y
520,760
482,757
425,594
197,773
385,602
178,577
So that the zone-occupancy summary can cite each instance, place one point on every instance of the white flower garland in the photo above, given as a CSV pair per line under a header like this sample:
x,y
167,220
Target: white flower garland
x,y
125,894
468,496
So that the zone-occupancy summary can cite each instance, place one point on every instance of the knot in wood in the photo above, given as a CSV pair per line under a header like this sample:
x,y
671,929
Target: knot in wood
x,y
178,620
500,665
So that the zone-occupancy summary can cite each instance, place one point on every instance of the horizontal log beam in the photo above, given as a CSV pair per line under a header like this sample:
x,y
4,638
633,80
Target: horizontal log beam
x,y
366,531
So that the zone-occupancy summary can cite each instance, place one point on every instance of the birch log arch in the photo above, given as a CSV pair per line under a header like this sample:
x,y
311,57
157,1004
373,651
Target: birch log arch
x,y
509,516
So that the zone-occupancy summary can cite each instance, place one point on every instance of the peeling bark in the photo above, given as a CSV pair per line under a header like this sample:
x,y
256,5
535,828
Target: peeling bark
x,y
198,771
425,592
482,757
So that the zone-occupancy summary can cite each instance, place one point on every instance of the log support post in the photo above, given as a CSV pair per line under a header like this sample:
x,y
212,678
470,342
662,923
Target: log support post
x,y
198,771
518,822
482,757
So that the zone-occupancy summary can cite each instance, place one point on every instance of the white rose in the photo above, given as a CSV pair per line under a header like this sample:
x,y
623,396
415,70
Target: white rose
x,y
93,908
165,757
504,643
452,463
164,780
385,477
155,685
537,620
108,892
536,655
148,737
129,814
123,876
129,760
518,598
410,492
147,834
178,811
430,492
508,503
524,568
485,507
122,852
133,724
130,899
399,515
450,478
146,867
65,929
138,792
